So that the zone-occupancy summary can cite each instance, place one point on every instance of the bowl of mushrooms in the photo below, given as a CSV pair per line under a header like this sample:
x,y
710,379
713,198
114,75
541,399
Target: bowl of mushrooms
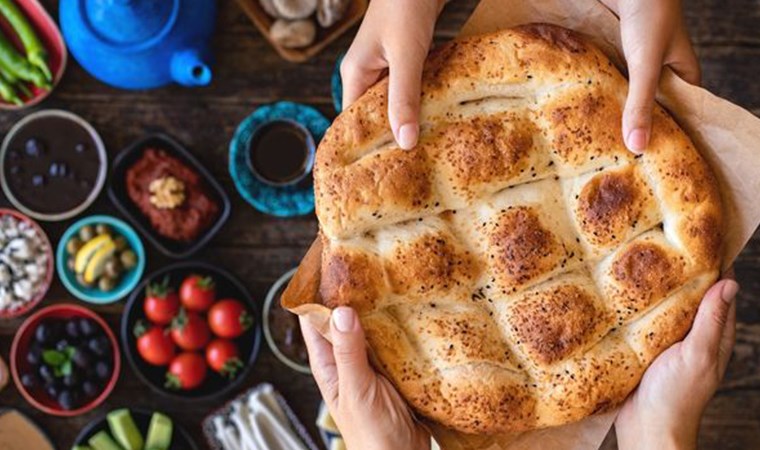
x,y
299,29
26,264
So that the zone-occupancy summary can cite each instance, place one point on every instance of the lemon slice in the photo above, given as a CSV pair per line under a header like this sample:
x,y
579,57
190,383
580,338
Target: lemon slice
x,y
326,422
97,263
88,250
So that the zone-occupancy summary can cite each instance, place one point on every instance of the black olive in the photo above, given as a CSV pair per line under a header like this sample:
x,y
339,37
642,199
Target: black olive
x,y
103,370
81,358
34,147
87,326
71,379
43,333
34,357
38,180
66,399
99,346
52,390
46,373
62,345
72,329
90,389
29,380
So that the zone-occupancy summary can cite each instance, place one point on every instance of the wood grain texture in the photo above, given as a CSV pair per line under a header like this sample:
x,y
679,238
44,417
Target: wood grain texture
x,y
258,248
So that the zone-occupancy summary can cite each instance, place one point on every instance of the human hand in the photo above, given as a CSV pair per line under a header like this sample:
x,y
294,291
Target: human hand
x,y
654,34
370,414
395,35
665,410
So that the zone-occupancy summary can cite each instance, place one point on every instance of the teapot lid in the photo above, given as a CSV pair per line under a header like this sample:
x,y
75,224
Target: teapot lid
x,y
128,23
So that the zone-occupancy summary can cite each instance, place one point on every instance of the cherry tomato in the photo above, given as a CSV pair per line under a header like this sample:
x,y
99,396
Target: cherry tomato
x,y
229,319
186,371
223,357
197,293
161,303
154,345
190,331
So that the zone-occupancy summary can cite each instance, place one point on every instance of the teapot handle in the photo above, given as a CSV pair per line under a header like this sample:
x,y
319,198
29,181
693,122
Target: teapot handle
x,y
189,68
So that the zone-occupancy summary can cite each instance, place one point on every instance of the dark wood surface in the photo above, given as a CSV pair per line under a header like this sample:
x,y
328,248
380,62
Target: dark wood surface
x,y
258,248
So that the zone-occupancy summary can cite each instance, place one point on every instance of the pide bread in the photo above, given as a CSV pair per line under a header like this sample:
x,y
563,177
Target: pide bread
x,y
519,268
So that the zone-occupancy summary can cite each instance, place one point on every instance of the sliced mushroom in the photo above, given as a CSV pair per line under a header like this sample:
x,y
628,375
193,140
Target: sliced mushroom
x,y
294,9
293,34
331,11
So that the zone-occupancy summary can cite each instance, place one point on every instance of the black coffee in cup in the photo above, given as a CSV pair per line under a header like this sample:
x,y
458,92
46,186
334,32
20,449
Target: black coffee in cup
x,y
281,152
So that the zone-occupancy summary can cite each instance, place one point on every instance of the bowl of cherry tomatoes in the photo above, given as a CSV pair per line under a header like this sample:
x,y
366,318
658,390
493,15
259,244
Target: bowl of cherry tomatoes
x,y
191,331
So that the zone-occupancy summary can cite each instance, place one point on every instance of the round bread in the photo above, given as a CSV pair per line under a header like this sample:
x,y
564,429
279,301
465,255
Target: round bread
x,y
519,268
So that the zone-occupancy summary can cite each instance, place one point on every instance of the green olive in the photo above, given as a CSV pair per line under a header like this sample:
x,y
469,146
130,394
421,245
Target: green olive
x,y
112,268
128,259
121,243
73,245
106,284
86,233
102,228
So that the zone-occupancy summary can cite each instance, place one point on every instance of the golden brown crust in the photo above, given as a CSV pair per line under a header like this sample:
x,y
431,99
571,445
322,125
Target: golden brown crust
x,y
519,268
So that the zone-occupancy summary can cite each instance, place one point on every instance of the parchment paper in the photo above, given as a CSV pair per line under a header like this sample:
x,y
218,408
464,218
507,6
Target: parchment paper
x,y
726,135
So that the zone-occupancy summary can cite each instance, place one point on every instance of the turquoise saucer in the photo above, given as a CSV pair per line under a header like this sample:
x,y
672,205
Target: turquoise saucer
x,y
286,201
336,84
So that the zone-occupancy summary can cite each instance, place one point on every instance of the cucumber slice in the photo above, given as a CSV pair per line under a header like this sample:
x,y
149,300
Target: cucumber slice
x,y
103,441
159,432
81,447
124,429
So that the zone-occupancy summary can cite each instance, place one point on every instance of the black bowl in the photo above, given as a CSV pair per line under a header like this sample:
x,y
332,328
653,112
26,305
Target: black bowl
x,y
227,286
117,191
180,438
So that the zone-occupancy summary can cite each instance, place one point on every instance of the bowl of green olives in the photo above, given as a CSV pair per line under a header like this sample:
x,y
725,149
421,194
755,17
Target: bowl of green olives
x,y
100,259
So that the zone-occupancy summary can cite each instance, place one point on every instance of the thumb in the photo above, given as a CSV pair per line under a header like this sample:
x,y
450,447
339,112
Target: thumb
x,y
707,333
354,372
404,84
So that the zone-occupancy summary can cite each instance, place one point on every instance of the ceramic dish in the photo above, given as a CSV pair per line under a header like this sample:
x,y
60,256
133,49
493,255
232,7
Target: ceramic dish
x,y
336,84
51,39
227,286
128,279
117,191
274,296
49,273
21,345
181,440
263,22
78,147
286,201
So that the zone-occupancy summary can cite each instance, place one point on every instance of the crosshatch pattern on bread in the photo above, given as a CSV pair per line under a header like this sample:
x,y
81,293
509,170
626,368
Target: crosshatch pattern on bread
x,y
519,268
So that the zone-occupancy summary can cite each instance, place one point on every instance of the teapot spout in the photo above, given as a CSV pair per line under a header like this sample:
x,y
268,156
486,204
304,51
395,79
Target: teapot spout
x,y
189,68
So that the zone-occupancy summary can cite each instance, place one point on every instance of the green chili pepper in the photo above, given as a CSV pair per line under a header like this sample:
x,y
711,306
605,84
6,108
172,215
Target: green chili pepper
x,y
35,51
20,67
12,79
8,93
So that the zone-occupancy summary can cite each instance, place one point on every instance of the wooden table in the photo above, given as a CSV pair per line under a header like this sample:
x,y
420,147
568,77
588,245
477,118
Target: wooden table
x,y
258,249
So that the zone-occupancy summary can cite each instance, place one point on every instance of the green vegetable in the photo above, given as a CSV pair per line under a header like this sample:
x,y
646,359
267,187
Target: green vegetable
x,y
125,430
81,447
159,432
7,92
18,66
35,51
103,441
12,79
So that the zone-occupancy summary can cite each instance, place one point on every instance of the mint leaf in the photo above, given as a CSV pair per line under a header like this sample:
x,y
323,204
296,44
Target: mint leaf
x,y
70,352
54,357
66,368
57,372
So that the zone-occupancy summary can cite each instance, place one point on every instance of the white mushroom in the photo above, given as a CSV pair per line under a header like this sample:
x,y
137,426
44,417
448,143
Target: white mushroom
x,y
293,34
293,9
331,11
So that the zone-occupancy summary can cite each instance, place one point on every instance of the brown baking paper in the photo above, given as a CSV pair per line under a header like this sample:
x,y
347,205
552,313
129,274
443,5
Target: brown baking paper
x,y
726,135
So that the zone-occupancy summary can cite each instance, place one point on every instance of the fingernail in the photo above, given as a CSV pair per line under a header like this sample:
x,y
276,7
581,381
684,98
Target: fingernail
x,y
343,318
407,136
637,140
729,291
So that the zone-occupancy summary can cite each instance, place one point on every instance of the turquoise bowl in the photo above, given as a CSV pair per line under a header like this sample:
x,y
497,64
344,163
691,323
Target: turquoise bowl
x,y
128,280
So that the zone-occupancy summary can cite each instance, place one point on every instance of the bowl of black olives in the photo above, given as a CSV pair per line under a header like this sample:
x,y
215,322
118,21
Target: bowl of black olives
x,y
65,360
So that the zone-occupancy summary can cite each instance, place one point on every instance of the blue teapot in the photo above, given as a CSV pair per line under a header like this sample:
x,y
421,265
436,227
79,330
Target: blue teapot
x,y
141,44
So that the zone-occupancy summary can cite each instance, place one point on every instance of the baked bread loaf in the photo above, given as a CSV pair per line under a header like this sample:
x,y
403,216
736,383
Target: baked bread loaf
x,y
519,268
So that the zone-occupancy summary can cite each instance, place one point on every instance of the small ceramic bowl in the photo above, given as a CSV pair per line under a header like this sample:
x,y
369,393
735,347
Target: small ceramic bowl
x,y
22,342
128,280
181,439
50,269
268,304
98,151
227,286
51,38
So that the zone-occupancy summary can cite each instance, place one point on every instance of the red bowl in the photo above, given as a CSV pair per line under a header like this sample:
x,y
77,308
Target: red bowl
x,y
50,36
20,348
50,266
